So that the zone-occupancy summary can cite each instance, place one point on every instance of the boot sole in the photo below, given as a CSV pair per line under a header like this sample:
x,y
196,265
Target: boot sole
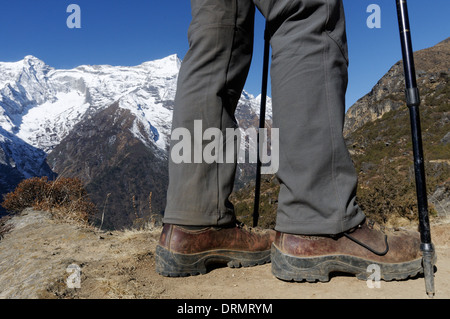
x,y
170,264
312,269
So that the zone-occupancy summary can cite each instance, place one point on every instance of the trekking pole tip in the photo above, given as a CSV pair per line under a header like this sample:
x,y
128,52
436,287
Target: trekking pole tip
x,y
428,272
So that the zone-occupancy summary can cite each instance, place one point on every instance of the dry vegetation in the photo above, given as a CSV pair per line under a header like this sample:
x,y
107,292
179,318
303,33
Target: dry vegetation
x,y
64,198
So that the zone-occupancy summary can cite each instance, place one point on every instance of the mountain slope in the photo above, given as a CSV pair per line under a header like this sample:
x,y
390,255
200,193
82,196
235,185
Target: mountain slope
x,y
18,161
432,68
108,125
103,151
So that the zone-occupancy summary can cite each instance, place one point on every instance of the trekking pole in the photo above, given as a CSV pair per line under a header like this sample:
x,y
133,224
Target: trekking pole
x,y
413,102
262,119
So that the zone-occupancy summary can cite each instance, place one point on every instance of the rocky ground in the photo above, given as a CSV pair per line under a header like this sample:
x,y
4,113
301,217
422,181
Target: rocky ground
x,y
37,252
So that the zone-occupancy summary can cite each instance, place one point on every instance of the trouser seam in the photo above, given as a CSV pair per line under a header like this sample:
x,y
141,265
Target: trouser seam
x,y
331,128
223,108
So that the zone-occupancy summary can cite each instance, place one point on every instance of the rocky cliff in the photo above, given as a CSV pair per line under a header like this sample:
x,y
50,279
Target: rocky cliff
x,y
432,70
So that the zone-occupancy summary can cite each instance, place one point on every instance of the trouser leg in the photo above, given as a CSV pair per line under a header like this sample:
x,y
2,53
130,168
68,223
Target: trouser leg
x,y
210,82
309,79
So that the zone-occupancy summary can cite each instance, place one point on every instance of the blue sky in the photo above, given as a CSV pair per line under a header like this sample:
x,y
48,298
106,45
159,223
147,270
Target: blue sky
x,y
129,32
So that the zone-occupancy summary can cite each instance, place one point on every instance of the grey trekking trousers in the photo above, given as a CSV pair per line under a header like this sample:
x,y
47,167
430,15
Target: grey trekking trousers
x,y
309,80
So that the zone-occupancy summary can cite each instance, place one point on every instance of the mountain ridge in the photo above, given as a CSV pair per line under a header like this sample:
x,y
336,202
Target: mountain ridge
x,y
388,92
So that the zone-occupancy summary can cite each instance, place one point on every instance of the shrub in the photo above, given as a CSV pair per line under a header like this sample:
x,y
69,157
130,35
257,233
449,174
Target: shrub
x,y
65,198
27,194
391,195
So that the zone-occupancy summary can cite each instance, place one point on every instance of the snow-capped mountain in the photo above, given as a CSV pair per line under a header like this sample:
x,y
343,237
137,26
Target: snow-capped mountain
x,y
40,104
41,107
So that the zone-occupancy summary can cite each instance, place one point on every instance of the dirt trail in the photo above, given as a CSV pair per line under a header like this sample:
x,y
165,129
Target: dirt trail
x,y
35,255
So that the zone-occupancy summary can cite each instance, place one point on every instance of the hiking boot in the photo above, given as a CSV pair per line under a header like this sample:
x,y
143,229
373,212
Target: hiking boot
x,y
313,258
184,252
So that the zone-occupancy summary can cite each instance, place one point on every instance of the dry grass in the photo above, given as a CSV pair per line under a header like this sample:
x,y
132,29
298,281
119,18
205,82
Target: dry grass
x,y
65,198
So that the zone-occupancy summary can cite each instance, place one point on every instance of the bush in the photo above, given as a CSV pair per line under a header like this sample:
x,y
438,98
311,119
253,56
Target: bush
x,y
391,195
65,198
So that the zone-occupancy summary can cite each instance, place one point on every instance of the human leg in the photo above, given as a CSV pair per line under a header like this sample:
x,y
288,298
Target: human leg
x,y
320,228
210,83
309,79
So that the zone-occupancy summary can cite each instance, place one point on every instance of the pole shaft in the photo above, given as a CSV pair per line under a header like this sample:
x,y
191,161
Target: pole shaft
x,y
419,170
262,120
406,43
413,102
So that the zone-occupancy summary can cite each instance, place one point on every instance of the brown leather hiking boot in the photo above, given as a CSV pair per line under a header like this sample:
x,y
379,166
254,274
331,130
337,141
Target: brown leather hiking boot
x,y
184,252
312,258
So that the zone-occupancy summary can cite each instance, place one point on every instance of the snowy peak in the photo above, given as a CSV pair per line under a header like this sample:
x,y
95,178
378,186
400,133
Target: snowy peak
x,y
34,62
15,71
167,66
41,104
